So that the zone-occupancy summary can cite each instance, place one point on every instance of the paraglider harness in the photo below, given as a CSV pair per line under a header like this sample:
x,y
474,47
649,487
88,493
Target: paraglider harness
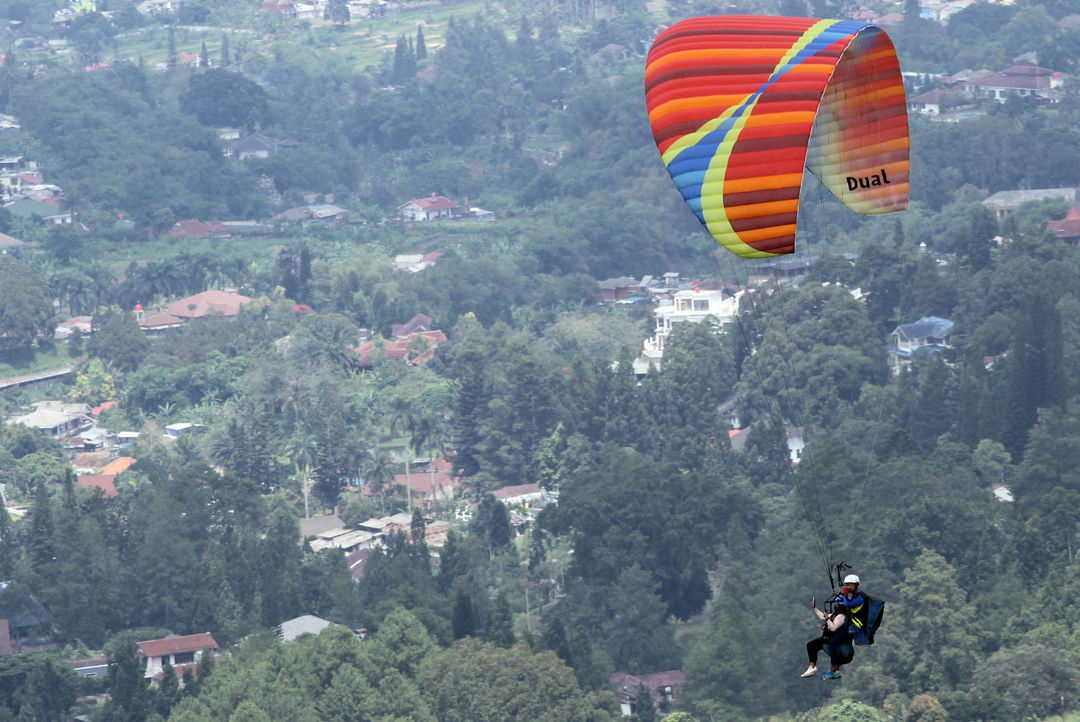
x,y
863,619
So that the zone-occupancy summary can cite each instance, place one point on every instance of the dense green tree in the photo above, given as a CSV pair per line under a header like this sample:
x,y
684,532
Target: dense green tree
x,y
521,415
117,339
850,711
221,97
698,373
280,578
193,14
464,622
614,526
26,310
37,685
168,691
337,11
474,680
1051,679
1050,456
636,638
471,397
933,640
129,697
1035,375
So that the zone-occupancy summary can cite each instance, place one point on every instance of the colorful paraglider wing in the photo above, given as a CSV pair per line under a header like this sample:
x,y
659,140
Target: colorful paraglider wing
x,y
740,104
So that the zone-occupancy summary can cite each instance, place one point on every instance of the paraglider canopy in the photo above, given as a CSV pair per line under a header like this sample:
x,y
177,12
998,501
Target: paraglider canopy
x,y
740,104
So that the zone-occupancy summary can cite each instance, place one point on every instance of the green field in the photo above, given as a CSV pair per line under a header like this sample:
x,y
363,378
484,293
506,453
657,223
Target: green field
x,y
360,43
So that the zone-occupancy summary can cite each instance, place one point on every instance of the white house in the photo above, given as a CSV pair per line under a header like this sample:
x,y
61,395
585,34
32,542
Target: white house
x,y
928,103
428,209
688,306
177,651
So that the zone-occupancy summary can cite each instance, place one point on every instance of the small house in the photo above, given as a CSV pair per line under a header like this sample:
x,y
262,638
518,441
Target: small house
x,y
429,209
928,335
178,651
662,687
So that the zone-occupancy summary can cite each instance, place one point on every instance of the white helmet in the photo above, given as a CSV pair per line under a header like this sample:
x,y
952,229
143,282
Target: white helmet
x,y
851,579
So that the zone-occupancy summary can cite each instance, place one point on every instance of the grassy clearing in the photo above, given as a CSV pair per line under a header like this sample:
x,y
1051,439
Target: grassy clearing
x,y
21,363
365,42
360,43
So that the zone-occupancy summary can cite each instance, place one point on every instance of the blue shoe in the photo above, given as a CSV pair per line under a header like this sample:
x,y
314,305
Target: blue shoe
x,y
831,674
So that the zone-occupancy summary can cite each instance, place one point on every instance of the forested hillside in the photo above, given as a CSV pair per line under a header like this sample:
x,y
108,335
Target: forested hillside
x,y
952,487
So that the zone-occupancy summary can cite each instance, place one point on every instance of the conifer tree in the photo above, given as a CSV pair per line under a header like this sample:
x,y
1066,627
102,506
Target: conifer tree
x,y
173,56
421,46
463,623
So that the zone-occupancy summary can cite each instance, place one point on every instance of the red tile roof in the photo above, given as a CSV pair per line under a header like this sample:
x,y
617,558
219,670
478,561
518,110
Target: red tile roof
x,y
117,465
202,304
155,321
628,685
443,464
174,645
930,96
419,322
508,492
105,482
1068,227
435,203
198,229
424,482
398,349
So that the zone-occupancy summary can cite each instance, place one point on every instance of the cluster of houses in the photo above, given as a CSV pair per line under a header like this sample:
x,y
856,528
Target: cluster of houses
x,y
175,315
413,343
676,300
309,9
952,101
24,192
1066,229
430,484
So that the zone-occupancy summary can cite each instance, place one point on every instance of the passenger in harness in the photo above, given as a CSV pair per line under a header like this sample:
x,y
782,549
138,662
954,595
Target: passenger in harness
x,y
853,619
835,639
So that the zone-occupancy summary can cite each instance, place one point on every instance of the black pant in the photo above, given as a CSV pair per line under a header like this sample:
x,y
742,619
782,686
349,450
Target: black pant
x,y
839,649
814,647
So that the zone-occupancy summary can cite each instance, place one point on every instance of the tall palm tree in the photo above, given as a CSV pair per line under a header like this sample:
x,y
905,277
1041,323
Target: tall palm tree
x,y
354,449
377,471
430,433
403,417
303,449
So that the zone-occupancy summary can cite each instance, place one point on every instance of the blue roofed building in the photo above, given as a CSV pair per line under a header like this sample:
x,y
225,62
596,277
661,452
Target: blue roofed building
x,y
928,335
